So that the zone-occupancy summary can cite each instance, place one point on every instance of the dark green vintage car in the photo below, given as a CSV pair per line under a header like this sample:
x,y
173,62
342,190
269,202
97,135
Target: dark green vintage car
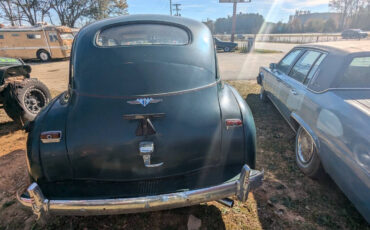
x,y
146,124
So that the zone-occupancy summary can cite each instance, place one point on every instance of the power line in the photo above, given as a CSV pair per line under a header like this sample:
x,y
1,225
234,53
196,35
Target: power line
x,y
177,9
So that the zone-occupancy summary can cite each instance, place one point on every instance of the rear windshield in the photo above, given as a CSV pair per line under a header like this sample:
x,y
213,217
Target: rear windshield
x,y
142,34
357,74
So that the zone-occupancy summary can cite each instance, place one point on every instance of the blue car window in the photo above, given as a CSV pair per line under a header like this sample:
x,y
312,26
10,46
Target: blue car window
x,y
303,65
284,65
314,69
357,74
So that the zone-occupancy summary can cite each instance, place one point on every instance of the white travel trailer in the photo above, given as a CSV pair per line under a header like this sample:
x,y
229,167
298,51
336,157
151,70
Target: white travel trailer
x,y
44,42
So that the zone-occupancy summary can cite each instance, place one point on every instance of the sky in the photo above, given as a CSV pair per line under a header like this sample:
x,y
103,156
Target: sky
x,y
272,10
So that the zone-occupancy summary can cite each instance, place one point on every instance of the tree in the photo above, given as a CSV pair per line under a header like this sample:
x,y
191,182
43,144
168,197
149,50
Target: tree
x,y
33,10
101,9
69,11
330,26
245,24
8,11
295,26
347,8
314,26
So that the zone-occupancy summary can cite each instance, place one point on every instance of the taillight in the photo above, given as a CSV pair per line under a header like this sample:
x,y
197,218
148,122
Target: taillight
x,y
233,123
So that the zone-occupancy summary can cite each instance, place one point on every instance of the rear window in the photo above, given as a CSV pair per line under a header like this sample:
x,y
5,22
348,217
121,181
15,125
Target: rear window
x,y
357,74
142,34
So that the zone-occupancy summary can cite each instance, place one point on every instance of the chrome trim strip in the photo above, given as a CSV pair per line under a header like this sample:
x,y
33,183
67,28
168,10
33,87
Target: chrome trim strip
x,y
150,95
248,180
335,89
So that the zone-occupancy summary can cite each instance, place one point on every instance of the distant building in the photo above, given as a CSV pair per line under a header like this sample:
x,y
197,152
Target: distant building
x,y
305,16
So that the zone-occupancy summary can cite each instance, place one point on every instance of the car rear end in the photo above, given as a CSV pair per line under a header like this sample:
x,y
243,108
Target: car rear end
x,y
142,129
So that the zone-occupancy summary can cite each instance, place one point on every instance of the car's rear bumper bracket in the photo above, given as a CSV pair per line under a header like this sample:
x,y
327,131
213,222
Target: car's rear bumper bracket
x,y
249,179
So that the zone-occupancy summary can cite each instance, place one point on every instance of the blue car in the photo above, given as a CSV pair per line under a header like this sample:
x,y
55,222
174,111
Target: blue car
x,y
323,92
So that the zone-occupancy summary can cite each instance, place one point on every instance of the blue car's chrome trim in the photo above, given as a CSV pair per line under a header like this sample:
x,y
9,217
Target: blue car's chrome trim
x,y
249,179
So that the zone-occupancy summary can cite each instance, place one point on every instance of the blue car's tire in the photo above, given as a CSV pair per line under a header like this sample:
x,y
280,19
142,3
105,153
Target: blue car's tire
x,y
306,155
227,49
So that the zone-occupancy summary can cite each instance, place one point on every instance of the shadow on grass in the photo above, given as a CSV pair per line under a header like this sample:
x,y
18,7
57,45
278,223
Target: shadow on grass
x,y
288,198
170,219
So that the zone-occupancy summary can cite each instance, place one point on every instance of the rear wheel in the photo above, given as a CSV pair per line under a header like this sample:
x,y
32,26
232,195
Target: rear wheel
x,y
43,55
306,155
227,49
23,101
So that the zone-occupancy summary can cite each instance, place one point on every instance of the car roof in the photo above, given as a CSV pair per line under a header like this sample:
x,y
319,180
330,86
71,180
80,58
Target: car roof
x,y
341,47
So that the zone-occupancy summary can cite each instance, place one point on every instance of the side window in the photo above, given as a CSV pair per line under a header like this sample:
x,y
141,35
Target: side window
x,y
357,74
303,65
284,65
33,36
53,37
314,69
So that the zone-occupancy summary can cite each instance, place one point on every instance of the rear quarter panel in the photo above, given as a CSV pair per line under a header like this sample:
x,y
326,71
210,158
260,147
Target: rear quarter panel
x,y
343,140
240,143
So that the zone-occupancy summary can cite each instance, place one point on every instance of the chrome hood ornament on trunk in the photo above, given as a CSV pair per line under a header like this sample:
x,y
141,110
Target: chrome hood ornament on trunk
x,y
144,101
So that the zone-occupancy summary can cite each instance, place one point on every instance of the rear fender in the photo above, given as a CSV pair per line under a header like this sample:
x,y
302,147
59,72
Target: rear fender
x,y
49,161
235,106
297,122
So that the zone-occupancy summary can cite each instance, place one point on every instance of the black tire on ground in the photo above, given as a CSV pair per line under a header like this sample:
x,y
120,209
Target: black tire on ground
x,y
43,55
309,164
24,100
227,49
263,96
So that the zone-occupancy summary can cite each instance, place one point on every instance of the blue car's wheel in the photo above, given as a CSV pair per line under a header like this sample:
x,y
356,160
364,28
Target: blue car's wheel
x,y
306,155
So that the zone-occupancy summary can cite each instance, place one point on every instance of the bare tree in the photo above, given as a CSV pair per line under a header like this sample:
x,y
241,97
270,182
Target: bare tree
x,y
107,8
9,11
69,11
33,10
348,9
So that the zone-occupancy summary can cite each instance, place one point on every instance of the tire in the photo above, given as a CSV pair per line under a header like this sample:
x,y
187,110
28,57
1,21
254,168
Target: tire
x,y
226,49
43,55
263,95
23,101
306,155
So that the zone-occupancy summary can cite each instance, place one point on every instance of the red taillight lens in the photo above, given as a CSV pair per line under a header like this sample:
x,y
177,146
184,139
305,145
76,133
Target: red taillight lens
x,y
233,122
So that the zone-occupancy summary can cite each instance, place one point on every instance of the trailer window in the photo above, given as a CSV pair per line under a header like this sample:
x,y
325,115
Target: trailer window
x,y
66,36
142,35
15,35
53,37
1,36
33,36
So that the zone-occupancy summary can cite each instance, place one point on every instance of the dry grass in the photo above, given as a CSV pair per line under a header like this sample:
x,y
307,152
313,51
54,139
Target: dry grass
x,y
287,200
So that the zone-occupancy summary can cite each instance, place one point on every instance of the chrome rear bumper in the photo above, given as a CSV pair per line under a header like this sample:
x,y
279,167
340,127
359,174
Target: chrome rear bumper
x,y
248,180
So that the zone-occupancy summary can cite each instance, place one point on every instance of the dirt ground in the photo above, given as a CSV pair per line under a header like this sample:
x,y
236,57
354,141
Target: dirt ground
x,y
287,199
